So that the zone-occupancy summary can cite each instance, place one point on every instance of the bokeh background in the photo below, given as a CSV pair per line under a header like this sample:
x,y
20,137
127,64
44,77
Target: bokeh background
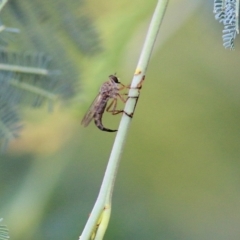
x,y
179,175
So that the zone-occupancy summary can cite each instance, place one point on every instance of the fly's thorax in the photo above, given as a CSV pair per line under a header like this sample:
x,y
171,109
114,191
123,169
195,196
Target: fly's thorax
x,y
113,93
105,87
109,88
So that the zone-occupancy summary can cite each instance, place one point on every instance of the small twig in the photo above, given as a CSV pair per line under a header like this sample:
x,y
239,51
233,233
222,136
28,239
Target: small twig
x,y
22,69
2,4
33,89
105,194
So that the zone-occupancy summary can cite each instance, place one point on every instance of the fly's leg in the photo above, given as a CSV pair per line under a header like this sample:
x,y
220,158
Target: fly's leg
x,y
124,100
113,104
120,96
122,111
139,86
114,111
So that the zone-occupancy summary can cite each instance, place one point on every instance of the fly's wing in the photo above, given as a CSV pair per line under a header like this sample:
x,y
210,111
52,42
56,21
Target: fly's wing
x,y
92,109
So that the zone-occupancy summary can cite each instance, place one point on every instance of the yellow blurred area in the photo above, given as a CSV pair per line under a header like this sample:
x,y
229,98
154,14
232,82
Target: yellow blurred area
x,y
47,135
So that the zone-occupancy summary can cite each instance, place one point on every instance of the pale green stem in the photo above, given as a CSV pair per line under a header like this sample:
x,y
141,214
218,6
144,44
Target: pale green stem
x,y
30,88
105,193
2,4
7,29
2,28
16,68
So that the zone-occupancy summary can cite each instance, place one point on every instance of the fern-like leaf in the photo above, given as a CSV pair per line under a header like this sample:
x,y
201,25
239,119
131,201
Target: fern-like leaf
x,y
83,33
3,232
9,118
227,13
219,10
4,31
29,77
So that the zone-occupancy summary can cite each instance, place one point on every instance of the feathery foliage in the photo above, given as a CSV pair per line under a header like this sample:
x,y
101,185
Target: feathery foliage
x,y
227,13
56,22
30,77
3,232
5,37
26,79
9,118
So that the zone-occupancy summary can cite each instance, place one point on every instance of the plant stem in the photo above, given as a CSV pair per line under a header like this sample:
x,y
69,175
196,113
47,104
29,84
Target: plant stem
x,y
2,4
105,194
33,89
22,69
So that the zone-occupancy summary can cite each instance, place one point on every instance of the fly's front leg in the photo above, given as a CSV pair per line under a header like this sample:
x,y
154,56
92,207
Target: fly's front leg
x,y
120,96
139,86
122,86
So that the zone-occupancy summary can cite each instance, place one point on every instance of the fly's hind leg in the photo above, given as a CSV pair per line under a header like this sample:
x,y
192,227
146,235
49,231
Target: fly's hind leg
x,y
113,104
112,107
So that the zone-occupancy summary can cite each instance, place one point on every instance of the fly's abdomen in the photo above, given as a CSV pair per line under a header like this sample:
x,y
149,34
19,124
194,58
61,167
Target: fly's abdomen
x,y
99,124
98,117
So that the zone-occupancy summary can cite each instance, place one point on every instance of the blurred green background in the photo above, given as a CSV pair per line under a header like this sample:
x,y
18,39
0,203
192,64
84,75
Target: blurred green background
x,y
179,175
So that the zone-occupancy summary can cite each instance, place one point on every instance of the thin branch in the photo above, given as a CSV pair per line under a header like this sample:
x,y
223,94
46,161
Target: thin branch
x,y
32,89
105,194
2,4
17,68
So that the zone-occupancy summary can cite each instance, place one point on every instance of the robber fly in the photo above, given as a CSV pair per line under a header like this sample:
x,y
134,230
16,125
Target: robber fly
x,y
109,90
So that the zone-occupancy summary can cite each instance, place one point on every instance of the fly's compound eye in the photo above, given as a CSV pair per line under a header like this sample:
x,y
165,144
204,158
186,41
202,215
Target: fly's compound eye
x,y
114,78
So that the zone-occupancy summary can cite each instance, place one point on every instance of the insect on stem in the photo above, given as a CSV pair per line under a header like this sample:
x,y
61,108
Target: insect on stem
x,y
109,90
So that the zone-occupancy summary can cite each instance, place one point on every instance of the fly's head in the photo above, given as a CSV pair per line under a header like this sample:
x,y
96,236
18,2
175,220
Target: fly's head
x,y
111,87
114,79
